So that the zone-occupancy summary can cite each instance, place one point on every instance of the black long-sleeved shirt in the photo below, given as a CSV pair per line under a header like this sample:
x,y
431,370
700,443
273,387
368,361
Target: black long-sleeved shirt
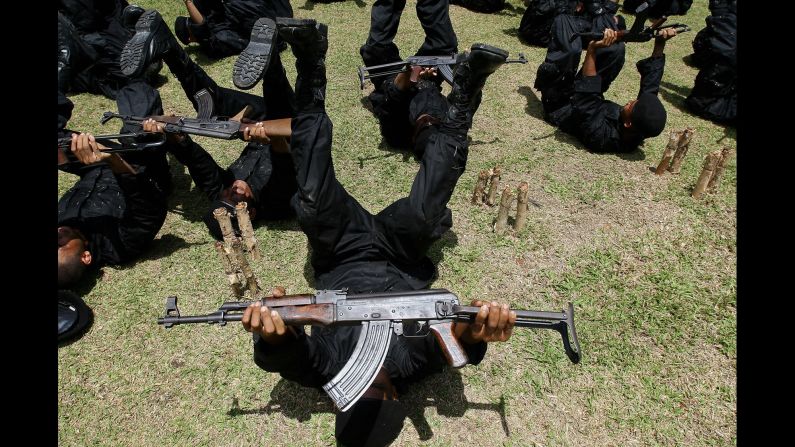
x,y
270,175
314,360
595,120
120,214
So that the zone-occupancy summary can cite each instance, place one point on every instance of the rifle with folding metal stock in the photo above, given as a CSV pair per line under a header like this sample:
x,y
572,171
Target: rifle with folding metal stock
x,y
639,32
444,65
205,124
124,142
410,314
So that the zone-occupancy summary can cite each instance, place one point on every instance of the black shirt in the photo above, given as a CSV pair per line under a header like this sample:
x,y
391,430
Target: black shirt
x,y
119,214
595,120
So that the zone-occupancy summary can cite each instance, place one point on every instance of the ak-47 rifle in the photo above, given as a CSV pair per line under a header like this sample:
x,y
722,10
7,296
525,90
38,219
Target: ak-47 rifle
x,y
639,31
410,314
444,65
124,142
205,124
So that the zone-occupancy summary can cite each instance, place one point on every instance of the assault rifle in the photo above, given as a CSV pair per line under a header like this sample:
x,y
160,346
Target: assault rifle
x,y
639,31
410,314
125,142
205,124
444,65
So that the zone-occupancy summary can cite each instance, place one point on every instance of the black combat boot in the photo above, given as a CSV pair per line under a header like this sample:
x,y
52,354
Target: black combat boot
x,y
152,42
309,42
254,60
130,15
468,81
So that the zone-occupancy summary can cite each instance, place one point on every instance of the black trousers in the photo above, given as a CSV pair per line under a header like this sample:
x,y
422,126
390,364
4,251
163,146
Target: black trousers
x,y
97,44
138,98
341,232
398,111
440,39
485,6
227,27
277,100
564,55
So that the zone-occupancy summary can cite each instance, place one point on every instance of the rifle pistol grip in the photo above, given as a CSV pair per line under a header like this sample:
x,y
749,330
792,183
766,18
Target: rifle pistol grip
x,y
455,354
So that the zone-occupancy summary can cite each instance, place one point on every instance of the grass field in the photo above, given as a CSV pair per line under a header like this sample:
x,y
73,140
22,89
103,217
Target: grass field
x,y
650,270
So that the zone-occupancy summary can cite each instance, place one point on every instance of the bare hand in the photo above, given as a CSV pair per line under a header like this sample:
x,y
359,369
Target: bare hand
x,y
256,133
427,73
610,37
266,322
493,322
87,150
666,33
150,125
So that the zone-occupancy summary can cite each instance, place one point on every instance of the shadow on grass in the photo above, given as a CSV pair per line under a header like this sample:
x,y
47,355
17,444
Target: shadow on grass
x,y
200,57
309,5
191,205
165,246
513,32
533,107
511,10
445,391
448,241
675,95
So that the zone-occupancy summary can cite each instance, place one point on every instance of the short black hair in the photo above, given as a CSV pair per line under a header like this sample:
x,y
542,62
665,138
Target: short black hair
x,y
370,422
649,115
70,271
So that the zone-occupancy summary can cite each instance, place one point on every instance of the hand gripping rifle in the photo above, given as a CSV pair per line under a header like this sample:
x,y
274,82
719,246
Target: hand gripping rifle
x,y
444,64
639,31
124,142
410,314
205,124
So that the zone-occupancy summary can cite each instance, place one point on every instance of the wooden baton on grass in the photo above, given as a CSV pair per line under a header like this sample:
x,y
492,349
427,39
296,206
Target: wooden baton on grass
x,y
521,206
244,221
494,184
673,140
681,150
710,162
502,215
231,273
725,154
480,186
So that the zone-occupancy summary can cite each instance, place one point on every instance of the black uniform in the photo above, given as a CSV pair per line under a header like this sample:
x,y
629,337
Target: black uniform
x,y
661,8
536,25
269,174
227,24
120,214
364,252
434,15
714,95
91,36
487,6
406,118
595,120
575,103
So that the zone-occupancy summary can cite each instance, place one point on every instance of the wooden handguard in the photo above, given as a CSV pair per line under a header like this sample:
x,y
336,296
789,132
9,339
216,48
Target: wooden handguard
x,y
452,349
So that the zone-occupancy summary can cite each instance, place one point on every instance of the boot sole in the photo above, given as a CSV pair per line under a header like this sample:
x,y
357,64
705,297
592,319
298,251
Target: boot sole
x,y
254,60
491,49
132,53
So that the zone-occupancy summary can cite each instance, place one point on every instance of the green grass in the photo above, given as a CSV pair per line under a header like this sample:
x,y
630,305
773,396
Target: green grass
x,y
650,270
